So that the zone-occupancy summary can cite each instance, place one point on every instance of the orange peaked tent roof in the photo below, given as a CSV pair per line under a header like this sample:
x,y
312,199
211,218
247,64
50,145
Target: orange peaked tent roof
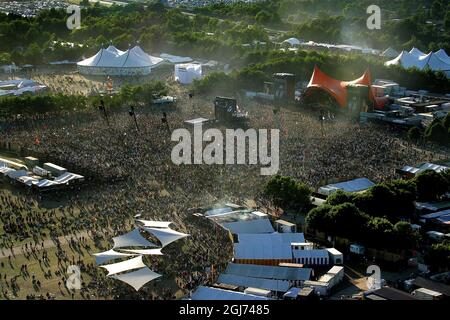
x,y
338,89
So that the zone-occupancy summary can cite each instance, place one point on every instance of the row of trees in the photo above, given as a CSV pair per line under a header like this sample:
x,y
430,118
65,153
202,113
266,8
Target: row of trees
x,y
345,20
395,199
373,217
39,40
347,221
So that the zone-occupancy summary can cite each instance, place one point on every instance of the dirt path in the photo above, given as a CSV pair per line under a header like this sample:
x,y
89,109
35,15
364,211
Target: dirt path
x,y
48,243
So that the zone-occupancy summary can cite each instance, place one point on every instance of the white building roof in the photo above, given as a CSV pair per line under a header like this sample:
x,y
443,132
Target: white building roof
x,y
335,269
267,284
165,235
269,272
132,239
109,255
208,293
266,246
249,226
123,266
334,251
137,279
313,253
355,185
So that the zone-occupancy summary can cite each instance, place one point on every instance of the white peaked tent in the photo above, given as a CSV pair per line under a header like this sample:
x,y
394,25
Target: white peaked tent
x,y
441,54
145,251
114,62
435,61
109,255
416,52
293,42
188,72
137,279
390,53
155,224
166,235
132,239
127,265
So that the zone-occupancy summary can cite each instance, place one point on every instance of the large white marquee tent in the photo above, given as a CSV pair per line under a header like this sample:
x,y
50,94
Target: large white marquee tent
x,y
114,62
436,61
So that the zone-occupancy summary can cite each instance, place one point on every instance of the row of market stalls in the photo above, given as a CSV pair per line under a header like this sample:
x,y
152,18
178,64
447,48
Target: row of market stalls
x,y
19,87
46,178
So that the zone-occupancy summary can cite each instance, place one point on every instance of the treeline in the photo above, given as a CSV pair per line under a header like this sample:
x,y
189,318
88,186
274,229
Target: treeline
x,y
157,29
405,23
375,217
54,103
345,67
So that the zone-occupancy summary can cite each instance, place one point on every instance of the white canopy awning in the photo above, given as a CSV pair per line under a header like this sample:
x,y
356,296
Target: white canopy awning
x,y
105,256
137,279
155,224
132,239
146,251
166,235
119,267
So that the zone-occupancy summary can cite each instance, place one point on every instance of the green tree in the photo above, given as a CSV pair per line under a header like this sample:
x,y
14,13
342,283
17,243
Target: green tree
x,y
414,134
437,132
287,192
438,256
430,185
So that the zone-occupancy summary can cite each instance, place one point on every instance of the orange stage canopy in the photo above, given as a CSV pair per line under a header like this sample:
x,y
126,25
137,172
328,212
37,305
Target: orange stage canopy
x,y
338,89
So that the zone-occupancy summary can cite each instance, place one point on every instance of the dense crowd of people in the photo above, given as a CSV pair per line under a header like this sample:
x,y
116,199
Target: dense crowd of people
x,y
132,173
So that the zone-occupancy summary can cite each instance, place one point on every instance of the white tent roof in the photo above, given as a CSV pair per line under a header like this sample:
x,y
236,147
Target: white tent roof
x,y
68,176
443,55
165,235
137,279
175,59
105,256
127,265
416,52
16,174
155,224
132,239
145,251
112,57
292,41
390,53
208,293
436,61
45,183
